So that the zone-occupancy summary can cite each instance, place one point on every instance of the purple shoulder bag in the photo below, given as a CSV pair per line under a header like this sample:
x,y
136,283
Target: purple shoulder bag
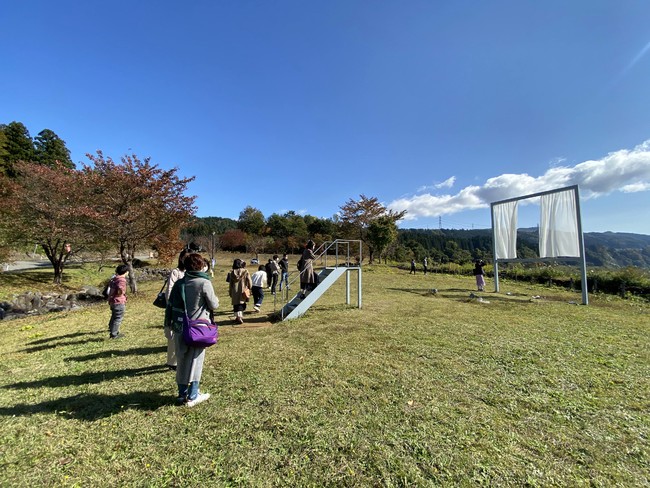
x,y
199,332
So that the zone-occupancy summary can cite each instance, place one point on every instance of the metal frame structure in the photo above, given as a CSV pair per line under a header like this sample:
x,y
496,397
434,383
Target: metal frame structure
x,y
581,258
341,249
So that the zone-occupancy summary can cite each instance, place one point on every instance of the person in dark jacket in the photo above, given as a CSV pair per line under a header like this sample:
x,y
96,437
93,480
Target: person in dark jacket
x,y
284,270
479,273
269,272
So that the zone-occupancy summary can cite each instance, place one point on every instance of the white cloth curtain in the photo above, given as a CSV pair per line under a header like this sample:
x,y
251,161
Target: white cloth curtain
x,y
558,229
504,216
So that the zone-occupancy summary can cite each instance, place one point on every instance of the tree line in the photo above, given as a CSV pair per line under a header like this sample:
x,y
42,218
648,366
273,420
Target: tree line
x,y
105,206
364,219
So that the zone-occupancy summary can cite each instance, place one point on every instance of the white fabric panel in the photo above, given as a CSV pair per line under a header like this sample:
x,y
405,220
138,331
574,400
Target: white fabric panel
x,y
505,230
558,229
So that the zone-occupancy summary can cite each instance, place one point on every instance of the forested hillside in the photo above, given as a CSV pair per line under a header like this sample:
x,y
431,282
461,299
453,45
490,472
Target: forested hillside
x,y
609,249
281,233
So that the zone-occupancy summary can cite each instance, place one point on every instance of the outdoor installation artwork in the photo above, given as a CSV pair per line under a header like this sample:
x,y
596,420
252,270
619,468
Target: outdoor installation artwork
x,y
560,230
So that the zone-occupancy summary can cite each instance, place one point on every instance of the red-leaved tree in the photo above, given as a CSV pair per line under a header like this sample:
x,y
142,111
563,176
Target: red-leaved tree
x,y
137,204
47,206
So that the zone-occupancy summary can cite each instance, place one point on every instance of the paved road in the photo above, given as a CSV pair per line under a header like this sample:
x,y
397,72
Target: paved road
x,y
42,263
22,265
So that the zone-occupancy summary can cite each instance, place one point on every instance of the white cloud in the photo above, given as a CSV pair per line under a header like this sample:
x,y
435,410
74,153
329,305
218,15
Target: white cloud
x,y
636,187
625,170
448,183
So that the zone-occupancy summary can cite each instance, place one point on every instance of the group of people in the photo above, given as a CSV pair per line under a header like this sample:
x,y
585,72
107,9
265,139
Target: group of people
x,y
189,291
478,271
425,265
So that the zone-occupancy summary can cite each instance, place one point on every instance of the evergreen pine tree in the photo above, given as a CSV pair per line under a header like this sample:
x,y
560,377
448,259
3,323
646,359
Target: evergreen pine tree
x,y
19,145
50,148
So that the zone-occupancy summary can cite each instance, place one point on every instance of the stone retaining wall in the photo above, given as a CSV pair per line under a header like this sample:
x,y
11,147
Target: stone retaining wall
x,y
35,303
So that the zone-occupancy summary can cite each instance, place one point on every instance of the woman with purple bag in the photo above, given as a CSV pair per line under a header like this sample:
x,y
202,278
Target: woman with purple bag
x,y
199,301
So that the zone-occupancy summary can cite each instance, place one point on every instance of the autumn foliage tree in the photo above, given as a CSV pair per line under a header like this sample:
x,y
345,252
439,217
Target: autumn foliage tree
x,y
356,217
47,206
233,240
136,203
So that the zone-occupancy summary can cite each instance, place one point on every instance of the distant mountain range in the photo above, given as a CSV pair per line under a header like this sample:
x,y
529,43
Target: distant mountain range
x,y
609,249
606,249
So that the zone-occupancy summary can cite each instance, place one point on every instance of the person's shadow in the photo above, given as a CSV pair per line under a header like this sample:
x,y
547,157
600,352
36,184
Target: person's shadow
x,y
91,406
85,378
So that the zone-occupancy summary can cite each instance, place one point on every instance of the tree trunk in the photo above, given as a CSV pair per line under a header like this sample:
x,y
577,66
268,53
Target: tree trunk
x,y
133,283
127,256
57,262
58,272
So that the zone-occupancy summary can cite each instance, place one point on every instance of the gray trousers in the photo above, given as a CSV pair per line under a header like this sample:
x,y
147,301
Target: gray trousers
x,y
117,314
171,346
189,361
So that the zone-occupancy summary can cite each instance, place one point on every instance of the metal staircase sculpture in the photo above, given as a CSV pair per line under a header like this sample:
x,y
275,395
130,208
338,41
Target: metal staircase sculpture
x,y
297,306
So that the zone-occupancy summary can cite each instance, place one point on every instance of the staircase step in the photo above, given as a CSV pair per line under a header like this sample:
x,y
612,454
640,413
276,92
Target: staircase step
x,y
297,307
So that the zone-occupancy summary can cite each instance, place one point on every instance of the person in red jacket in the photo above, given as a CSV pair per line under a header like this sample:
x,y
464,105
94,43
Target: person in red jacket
x,y
117,300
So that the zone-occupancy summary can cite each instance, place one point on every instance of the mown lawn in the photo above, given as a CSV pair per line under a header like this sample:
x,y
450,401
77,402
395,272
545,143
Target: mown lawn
x,y
414,389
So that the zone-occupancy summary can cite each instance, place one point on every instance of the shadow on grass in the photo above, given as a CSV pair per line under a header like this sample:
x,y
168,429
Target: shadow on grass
x,y
43,276
91,407
66,336
415,291
60,344
463,294
86,378
138,351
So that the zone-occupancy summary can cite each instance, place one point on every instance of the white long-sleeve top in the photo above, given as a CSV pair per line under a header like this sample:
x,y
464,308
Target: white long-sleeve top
x,y
259,279
174,276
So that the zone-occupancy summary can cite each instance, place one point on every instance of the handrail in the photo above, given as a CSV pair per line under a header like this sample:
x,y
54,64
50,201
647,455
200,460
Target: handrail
x,y
325,246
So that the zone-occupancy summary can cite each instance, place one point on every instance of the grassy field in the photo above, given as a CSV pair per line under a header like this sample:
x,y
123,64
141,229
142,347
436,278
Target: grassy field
x,y
414,389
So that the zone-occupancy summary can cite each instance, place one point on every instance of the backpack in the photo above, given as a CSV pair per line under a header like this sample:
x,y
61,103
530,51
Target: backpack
x,y
300,264
106,290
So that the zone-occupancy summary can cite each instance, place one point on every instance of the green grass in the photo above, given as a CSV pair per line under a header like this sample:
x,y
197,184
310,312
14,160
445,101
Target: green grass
x,y
414,389
41,279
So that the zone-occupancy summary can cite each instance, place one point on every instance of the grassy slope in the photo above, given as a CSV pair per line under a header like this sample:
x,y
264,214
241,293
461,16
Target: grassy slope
x,y
413,389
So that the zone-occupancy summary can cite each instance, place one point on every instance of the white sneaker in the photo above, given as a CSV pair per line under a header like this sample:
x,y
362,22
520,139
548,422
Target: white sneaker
x,y
201,397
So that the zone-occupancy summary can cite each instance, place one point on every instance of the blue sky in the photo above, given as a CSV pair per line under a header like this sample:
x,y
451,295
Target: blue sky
x,y
436,107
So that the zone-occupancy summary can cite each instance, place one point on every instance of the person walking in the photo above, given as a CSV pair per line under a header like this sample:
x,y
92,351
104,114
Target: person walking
x,y
239,289
284,271
176,274
307,275
269,272
258,281
424,264
412,267
193,294
117,301
275,273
